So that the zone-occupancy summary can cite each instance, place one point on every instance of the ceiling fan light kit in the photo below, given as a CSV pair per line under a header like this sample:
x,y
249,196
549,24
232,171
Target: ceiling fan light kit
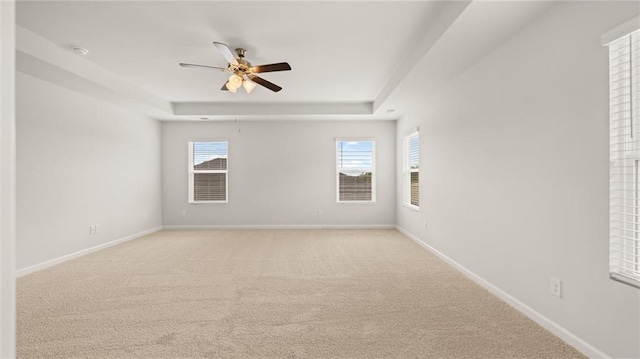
x,y
242,73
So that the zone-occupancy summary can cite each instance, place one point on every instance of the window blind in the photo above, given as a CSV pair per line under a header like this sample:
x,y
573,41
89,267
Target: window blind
x,y
355,170
624,86
208,163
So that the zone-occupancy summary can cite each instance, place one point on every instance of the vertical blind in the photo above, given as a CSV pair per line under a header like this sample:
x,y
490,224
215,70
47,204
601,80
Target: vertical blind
x,y
355,170
624,86
413,169
208,171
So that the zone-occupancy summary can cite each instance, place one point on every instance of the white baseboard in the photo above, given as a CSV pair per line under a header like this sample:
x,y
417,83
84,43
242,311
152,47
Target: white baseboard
x,y
285,226
573,340
52,262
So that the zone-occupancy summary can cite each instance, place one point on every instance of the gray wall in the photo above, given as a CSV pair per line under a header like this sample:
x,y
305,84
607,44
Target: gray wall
x,y
514,178
81,162
280,173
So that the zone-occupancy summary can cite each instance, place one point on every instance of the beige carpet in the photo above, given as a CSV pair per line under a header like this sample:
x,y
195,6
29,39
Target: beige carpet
x,y
269,294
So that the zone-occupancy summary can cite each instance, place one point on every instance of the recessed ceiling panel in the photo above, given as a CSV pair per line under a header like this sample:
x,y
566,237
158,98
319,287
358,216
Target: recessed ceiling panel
x,y
338,51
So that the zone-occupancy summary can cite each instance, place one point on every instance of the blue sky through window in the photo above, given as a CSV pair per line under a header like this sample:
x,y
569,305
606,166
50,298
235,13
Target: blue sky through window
x,y
205,151
355,155
414,151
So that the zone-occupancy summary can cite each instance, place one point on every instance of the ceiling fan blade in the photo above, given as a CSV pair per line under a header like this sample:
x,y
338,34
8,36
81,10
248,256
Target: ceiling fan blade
x,y
262,82
280,66
226,52
202,66
224,87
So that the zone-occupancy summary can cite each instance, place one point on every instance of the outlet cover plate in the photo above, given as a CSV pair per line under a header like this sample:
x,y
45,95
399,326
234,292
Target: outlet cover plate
x,y
556,287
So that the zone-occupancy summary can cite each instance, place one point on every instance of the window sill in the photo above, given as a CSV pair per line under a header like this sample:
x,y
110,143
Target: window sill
x,y
356,202
411,207
624,279
207,202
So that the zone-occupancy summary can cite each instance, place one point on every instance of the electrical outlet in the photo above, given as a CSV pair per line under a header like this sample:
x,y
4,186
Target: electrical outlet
x,y
556,287
319,212
184,212
425,225
92,229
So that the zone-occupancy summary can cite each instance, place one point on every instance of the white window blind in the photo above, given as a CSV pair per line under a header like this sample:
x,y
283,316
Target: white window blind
x,y
355,170
624,237
208,169
411,153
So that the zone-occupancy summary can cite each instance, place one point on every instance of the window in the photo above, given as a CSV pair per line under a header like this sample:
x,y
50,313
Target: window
x,y
411,163
355,163
208,172
624,87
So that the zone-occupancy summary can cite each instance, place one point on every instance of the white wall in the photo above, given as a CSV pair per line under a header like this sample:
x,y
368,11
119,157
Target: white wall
x,y
280,173
81,162
7,180
514,176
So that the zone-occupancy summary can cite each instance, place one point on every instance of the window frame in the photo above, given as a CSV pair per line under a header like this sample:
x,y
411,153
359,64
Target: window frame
x,y
192,172
407,170
373,168
624,148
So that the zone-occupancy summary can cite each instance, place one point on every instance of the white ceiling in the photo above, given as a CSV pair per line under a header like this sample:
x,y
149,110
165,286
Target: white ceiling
x,y
340,52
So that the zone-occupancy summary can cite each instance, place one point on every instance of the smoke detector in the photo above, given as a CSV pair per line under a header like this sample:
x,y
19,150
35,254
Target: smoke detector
x,y
80,50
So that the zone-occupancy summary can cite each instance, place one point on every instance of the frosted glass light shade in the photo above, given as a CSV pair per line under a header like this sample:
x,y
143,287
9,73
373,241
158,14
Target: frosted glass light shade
x,y
231,88
248,85
235,81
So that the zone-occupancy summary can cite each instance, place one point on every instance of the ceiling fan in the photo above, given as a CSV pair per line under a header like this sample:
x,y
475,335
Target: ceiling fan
x,y
242,72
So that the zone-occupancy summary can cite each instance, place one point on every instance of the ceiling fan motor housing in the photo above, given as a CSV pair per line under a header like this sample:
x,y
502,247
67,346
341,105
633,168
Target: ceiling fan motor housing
x,y
243,66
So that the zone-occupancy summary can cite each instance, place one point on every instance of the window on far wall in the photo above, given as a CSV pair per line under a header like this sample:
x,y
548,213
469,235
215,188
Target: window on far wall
x,y
411,163
624,191
355,170
208,163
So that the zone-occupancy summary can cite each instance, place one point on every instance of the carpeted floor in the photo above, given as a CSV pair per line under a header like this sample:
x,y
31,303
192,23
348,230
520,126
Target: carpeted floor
x,y
269,294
